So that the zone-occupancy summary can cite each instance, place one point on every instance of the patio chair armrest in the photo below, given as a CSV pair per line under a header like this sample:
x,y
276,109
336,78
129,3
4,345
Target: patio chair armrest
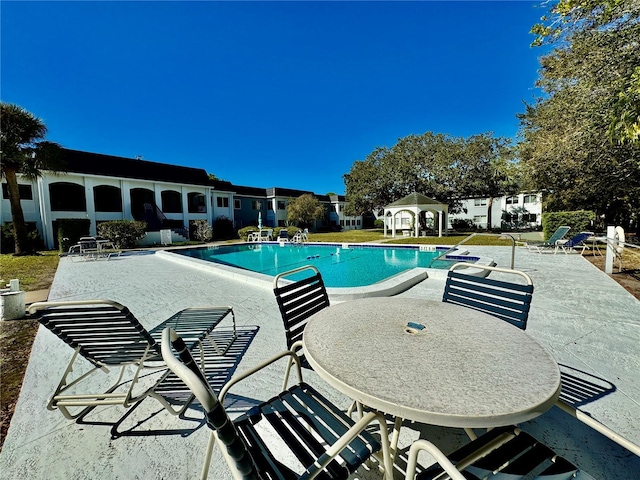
x,y
340,444
287,353
436,453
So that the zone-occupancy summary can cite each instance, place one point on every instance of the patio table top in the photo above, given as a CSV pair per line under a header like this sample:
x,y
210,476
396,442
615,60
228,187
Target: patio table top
x,y
432,362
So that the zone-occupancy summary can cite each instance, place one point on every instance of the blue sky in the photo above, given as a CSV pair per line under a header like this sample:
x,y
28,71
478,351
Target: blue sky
x,y
284,94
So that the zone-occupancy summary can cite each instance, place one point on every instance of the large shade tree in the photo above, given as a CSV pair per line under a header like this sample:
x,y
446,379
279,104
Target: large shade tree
x,y
304,210
436,165
580,138
24,152
606,33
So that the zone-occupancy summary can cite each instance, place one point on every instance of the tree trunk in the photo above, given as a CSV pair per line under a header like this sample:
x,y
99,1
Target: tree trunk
x,y
19,228
489,219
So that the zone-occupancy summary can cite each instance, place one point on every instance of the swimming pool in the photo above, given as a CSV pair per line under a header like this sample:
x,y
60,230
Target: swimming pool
x,y
341,266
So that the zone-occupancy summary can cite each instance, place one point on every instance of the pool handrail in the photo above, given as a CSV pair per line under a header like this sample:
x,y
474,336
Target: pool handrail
x,y
513,245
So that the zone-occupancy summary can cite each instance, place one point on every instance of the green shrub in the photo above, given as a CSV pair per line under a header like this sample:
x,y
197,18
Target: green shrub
x,y
291,231
579,220
202,231
223,229
8,242
243,233
123,233
69,230
463,224
378,223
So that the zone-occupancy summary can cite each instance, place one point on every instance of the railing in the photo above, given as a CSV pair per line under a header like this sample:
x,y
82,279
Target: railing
x,y
513,245
612,252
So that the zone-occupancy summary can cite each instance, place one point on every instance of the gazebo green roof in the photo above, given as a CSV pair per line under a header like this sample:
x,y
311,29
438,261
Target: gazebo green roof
x,y
414,198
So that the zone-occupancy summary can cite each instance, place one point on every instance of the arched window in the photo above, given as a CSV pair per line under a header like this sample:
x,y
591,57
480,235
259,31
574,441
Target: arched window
x,y
67,197
139,198
197,203
107,198
171,201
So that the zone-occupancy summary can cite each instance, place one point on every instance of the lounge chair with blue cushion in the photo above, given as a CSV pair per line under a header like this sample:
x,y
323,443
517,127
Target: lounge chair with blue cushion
x,y
283,236
108,335
574,243
299,423
550,244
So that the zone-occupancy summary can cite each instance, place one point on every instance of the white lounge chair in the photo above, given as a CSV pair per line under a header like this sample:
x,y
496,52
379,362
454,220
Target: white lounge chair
x,y
108,335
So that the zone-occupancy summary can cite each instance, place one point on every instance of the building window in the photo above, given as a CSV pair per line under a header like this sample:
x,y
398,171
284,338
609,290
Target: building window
x,y
282,205
530,199
171,201
529,217
480,219
107,198
237,204
24,190
256,205
67,197
223,202
512,200
479,202
197,203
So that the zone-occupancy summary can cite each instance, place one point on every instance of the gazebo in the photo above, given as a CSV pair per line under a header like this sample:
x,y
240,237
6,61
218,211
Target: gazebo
x,y
416,203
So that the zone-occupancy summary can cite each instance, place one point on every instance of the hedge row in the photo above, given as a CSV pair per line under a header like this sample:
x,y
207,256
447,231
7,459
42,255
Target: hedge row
x,y
579,221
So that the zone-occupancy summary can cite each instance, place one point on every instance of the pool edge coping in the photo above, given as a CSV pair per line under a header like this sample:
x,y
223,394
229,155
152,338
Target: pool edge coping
x,y
390,286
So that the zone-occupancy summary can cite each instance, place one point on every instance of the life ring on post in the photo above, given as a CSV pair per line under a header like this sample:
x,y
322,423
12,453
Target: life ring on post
x,y
618,239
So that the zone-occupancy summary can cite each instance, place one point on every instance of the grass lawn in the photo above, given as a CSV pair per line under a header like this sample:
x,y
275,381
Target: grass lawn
x,y
361,236
35,272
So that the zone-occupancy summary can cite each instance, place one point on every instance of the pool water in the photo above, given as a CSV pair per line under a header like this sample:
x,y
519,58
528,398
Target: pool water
x,y
353,266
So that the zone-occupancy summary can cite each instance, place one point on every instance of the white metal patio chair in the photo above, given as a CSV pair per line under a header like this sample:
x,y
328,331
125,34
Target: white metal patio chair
x,y
323,439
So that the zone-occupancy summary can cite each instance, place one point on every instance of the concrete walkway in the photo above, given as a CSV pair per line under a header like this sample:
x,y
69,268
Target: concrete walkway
x,y
589,322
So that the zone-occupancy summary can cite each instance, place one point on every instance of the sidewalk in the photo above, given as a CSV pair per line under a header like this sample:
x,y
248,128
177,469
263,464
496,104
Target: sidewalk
x,y
36,296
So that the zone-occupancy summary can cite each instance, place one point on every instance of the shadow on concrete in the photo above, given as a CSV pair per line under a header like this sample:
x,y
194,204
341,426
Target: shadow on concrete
x,y
218,370
580,388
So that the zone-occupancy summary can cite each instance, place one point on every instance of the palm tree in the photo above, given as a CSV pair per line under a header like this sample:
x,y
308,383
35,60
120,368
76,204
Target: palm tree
x,y
24,151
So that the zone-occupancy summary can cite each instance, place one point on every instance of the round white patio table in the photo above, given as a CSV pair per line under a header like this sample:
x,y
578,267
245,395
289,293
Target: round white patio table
x,y
463,369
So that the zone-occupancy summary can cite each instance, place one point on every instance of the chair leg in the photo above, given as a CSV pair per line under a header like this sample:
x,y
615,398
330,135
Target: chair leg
x,y
294,348
207,457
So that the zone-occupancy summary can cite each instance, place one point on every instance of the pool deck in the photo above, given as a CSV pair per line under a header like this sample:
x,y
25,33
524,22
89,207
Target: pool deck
x,y
589,323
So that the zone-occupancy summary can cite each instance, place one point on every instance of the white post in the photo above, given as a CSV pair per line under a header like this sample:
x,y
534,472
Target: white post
x,y
385,223
611,254
439,223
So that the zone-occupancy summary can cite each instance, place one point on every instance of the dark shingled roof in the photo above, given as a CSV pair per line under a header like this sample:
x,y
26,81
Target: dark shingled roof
x,y
250,191
415,199
110,166
286,192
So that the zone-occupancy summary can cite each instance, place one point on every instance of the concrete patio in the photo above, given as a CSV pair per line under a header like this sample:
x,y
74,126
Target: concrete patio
x,y
589,323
